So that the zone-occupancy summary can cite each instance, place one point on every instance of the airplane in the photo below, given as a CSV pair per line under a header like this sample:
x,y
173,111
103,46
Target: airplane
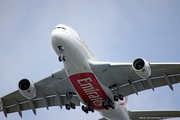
x,y
100,86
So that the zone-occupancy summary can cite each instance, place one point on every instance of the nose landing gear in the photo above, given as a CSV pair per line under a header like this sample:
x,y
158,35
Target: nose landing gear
x,y
61,57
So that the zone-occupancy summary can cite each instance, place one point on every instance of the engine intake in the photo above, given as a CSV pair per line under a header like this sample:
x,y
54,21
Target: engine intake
x,y
141,68
27,88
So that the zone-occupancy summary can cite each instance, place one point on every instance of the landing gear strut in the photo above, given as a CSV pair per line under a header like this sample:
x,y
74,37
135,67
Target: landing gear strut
x,y
61,57
87,108
69,96
115,90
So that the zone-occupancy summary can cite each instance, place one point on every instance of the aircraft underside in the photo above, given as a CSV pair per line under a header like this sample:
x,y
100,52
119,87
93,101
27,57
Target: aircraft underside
x,y
100,86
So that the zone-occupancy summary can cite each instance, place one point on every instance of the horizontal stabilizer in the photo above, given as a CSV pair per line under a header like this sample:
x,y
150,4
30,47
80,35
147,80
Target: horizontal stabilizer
x,y
153,115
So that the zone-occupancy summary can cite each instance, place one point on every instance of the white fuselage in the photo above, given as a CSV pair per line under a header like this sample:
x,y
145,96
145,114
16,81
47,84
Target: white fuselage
x,y
87,86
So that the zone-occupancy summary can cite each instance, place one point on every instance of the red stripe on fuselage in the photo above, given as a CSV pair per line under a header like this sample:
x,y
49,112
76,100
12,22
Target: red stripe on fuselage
x,y
123,103
89,89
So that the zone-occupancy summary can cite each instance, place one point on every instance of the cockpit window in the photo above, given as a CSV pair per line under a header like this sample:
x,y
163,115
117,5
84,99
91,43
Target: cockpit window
x,y
60,28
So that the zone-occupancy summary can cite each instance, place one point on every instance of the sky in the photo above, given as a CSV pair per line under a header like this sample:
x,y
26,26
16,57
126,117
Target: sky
x,y
114,30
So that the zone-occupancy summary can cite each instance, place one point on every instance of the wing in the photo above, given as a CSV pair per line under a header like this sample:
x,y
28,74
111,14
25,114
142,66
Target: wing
x,y
122,73
153,115
51,91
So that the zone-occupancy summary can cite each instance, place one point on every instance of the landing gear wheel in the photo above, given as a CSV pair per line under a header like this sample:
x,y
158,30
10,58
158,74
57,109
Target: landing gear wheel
x,y
73,106
116,98
112,107
105,105
90,108
121,97
68,106
60,59
64,58
85,109
110,104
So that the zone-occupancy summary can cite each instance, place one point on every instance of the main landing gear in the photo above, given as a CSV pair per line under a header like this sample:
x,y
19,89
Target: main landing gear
x,y
115,90
69,96
108,104
61,57
87,108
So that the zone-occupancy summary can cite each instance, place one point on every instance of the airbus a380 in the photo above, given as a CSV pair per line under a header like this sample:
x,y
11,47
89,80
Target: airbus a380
x,y
100,86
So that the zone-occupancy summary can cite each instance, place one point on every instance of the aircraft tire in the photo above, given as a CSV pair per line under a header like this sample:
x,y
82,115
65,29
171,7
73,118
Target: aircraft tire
x,y
115,98
110,104
68,107
60,59
64,58
85,109
73,106
105,105
90,108
121,97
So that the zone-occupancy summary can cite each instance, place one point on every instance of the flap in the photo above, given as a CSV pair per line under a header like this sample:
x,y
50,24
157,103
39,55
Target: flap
x,y
39,103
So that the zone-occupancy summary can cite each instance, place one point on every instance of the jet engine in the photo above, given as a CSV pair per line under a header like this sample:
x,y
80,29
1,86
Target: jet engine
x,y
27,88
141,68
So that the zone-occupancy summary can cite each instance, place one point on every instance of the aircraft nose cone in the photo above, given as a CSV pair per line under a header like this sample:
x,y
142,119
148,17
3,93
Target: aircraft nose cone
x,y
55,35
58,35
58,38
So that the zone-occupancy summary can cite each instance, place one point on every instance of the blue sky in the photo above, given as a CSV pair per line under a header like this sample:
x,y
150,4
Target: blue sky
x,y
115,31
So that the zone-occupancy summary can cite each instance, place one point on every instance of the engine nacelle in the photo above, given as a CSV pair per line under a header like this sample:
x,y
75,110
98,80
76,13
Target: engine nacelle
x,y
27,88
141,68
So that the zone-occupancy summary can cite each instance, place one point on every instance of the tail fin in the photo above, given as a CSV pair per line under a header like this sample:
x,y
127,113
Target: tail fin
x,y
153,115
